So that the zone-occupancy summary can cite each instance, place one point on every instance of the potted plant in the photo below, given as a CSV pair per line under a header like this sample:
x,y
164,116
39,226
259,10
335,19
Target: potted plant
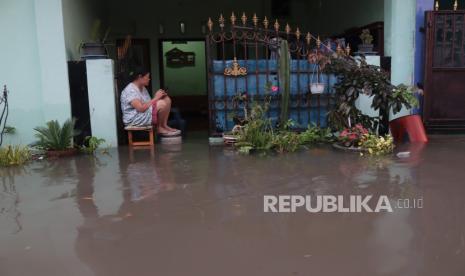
x,y
367,42
95,48
57,140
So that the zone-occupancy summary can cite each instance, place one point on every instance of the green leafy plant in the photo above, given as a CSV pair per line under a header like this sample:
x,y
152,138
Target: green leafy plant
x,y
355,79
14,155
404,95
366,37
56,137
377,145
91,144
315,135
257,133
286,141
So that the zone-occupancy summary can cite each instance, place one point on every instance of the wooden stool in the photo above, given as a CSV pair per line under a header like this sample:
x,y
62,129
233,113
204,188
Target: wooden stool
x,y
149,129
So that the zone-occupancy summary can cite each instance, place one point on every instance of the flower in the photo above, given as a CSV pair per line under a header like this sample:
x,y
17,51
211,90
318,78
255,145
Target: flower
x,y
274,88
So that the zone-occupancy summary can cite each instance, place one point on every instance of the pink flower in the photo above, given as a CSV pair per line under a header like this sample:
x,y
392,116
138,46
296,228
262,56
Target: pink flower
x,y
274,88
353,136
344,133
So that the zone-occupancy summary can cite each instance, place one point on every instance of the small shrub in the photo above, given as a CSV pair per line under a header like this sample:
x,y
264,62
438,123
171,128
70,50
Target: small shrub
x,y
14,155
377,145
258,132
352,136
315,135
91,144
286,141
56,137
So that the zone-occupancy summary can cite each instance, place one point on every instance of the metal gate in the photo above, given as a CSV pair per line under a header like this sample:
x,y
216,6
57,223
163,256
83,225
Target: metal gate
x,y
242,58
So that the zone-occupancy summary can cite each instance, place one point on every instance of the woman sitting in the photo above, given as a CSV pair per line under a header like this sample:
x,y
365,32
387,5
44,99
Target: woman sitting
x,y
141,110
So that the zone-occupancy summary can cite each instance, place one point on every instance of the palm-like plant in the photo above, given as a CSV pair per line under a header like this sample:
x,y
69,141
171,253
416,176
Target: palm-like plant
x,y
56,137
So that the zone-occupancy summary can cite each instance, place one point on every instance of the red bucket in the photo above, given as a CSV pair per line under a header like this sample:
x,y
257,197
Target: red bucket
x,y
408,127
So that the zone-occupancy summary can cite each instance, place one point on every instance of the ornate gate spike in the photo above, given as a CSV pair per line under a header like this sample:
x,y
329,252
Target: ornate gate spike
x,y
338,49
233,19
265,22
210,24
308,37
244,19
456,5
221,21
348,49
318,42
297,33
255,19
288,29
276,25
436,5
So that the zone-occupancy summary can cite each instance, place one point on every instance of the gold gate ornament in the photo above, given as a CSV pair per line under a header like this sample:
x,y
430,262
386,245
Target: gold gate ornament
x,y
235,70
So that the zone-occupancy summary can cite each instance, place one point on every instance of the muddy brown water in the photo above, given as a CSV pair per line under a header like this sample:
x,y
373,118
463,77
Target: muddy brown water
x,y
198,210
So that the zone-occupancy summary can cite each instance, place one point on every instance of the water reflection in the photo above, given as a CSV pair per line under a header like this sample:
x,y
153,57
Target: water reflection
x,y
198,211
9,199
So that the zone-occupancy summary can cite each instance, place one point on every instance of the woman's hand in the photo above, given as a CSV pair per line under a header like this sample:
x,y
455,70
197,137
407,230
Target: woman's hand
x,y
159,94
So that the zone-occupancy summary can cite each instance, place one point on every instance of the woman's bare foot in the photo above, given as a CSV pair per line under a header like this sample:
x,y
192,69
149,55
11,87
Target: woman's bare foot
x,y
172,129
163,130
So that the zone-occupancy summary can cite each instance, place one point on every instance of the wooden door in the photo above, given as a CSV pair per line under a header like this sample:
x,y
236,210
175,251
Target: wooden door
x,y
444,106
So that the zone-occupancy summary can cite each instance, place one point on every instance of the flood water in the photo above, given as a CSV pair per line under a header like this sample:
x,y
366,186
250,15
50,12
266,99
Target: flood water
x,y
198,210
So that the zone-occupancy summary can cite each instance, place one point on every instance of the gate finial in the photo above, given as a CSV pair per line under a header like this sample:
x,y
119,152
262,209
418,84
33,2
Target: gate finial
x,y
276,25
318,43
436,5
308,37
210,24
265,22
288,29
297,33
348,49
338,49
244,19
456,5
233,19
255,19
221,21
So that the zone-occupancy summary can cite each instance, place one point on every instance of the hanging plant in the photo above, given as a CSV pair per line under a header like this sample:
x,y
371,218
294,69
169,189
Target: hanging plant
x,y
316,85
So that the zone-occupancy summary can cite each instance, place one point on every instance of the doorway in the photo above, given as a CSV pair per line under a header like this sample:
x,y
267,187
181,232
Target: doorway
x,y
183,73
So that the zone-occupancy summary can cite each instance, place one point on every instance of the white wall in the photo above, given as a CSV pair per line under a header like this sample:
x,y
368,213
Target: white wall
x,y
20,68
33,65
102,104
56,100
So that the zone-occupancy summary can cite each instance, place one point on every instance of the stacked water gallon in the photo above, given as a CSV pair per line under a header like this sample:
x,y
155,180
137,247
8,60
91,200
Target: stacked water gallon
x,y
309,110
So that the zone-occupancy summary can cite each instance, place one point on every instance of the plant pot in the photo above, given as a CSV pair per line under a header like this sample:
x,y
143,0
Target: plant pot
x,y
62,153
93,50
229,139
365,48
351,148
317,88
